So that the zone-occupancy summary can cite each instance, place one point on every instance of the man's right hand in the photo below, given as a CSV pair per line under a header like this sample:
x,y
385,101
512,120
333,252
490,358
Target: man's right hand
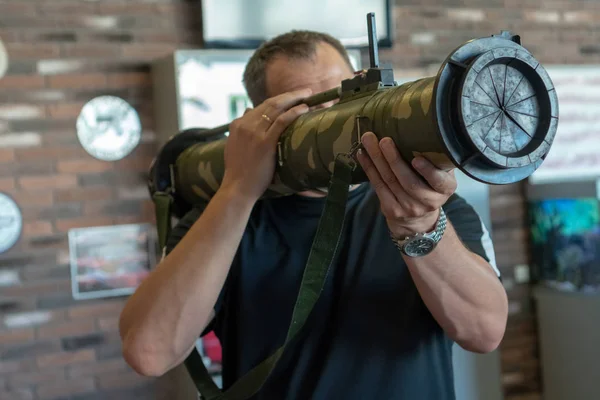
x,y
252,143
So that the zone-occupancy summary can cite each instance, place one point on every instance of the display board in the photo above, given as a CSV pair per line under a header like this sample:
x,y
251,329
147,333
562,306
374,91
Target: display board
x,y
246,24
3,59
575,153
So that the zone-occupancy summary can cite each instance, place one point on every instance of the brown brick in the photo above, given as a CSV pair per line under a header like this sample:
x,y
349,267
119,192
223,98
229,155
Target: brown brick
x,y
83,166
91,50
32,50
38,288
66,329
64,8
38,198
96,310
99,367
78,194
7,155
76,81
121,80
41,272
65,224
22,82
48,182
7,183
58,138
16,335
140,10
60,389
147,52
68,358
64,110
37,228
18,8
141,164
51,153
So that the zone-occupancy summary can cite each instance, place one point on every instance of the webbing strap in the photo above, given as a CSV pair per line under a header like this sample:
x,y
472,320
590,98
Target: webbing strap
x,y
319,261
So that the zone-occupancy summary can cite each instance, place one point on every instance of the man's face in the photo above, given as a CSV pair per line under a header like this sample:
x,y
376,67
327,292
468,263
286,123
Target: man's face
x,y
325,71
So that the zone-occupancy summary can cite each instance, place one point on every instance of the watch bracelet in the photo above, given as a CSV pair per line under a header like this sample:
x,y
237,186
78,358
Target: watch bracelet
x,y
436,233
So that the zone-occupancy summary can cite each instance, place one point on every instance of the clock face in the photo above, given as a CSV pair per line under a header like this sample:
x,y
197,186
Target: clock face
x,y
11,222
419,246
108,128
3,59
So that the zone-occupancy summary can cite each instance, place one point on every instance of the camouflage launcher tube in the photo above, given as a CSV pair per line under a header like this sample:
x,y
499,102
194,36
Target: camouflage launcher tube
x,y
491,111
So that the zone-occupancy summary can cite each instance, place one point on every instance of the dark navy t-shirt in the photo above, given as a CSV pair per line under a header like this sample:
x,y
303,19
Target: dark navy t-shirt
x,y
370,336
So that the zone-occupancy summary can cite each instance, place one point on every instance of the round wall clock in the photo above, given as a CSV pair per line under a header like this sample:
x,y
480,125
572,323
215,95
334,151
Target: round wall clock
x,y
11,222
3,59
109,128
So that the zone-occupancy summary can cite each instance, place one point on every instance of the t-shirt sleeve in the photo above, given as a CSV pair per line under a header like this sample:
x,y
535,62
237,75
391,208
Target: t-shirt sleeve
x,y
471,229
177,233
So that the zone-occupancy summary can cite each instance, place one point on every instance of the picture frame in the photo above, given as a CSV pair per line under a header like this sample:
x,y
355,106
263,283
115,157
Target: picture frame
x,y
110,261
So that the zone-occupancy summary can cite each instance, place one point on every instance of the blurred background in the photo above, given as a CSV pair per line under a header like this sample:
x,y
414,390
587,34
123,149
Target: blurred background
x,y
76,219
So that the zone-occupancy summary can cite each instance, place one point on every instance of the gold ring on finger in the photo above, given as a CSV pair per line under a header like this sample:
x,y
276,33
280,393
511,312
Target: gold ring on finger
x,y
265,116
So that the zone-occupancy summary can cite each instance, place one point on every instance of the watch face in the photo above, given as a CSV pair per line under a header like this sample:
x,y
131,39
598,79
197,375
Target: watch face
x,y
108,128
419,246
11,222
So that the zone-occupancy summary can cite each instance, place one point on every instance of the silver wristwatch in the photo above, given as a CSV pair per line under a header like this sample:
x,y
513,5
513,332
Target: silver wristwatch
x,y
422,244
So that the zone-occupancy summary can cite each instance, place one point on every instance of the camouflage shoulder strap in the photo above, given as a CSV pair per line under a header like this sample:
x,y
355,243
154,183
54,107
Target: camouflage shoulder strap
x,y
321,255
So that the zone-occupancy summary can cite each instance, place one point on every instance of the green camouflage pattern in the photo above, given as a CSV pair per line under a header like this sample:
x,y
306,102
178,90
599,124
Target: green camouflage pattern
x,y
308,148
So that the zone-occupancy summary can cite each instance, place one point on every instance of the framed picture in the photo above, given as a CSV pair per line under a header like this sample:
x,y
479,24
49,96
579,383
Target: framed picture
x,y
110,261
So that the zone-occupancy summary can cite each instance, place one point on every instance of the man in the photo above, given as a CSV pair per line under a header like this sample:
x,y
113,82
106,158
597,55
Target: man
x,y
385,323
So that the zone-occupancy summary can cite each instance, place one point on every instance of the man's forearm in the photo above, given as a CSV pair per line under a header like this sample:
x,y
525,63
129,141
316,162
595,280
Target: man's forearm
x,y
462,293
162,320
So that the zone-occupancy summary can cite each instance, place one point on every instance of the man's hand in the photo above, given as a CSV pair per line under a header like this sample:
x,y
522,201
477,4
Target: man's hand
x,y
409,201
251,145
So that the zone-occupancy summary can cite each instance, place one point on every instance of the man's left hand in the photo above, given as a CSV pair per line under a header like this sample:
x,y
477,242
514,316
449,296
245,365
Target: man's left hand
x,y
410,201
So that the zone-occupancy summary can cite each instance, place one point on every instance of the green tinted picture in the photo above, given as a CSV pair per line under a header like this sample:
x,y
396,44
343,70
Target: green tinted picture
x,y
565,235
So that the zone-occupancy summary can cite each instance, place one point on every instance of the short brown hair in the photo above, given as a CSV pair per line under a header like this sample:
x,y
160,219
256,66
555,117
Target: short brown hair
x,y
297,44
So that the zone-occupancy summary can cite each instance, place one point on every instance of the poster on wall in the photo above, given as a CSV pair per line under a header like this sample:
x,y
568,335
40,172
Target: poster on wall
x,y
565,238
575,153
210,87
108,261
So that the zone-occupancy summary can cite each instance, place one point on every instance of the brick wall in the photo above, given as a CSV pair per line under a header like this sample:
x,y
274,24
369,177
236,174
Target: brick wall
x,y
62,54
65,52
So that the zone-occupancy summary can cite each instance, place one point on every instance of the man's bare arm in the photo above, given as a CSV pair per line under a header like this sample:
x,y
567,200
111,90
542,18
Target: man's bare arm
x,y
163,319
462,292
458,286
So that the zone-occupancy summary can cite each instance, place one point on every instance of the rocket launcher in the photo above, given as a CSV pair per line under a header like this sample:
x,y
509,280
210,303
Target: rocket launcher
x,y
491,111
